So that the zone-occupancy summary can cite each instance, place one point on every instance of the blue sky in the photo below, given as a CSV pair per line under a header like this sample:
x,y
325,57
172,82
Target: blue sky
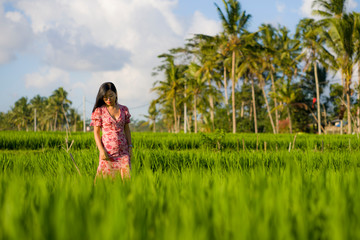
x,y
79,44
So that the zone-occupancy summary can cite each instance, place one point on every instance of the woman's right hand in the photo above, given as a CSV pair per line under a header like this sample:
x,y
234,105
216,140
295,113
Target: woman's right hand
x,y
104,155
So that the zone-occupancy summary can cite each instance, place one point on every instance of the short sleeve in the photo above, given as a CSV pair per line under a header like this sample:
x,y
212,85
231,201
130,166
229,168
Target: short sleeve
x,y
96,118
127,115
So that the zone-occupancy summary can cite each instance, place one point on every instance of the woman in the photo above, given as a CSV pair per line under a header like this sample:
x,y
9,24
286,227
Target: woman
x,y
115,144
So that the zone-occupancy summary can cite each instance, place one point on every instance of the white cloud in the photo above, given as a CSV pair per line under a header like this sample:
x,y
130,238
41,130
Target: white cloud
x,y
15,17
15,35
85,57
201,25
165,7
306,8
100,35
46,77
106,40
280,6
129,82
351,5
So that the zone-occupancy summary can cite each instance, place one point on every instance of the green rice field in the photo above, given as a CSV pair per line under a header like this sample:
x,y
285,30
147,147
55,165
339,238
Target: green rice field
x,y
183,186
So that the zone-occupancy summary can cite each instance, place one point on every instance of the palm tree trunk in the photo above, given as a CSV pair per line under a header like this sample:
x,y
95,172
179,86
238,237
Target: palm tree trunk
x,y
254,103
225,88
348,104
185,112
243,103
175,117
325,121
226,97
49,126
154,127
342,97
317,98
250,111
56,114
358,98
188,123
267,107
211,101
289,116
233,91
242,109
275,101
195,114
179,120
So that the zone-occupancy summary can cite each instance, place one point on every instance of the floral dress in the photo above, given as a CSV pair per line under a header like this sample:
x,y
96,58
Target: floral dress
x,y
114,141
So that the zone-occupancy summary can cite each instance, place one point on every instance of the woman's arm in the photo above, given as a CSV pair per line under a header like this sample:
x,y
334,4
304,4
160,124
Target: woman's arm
x,y
128,137
97,136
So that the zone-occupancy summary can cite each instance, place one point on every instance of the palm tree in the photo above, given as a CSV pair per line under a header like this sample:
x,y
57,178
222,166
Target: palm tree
x,y
225,62
197,88
208,58
250,68
329,9
334,17
340,38
287,61
357,59
269,40
152,115
234,22
20,113
288,54
59,103
5,120
169,89
287,97
73,117
225,59
205,54
313,53
38,103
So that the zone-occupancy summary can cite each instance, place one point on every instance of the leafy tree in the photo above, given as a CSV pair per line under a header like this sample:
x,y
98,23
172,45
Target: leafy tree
x,y
153,113
341,40
269,40
39,103
313,53
198,89
20,114
286,93
329,9
58,106
169,89
234,22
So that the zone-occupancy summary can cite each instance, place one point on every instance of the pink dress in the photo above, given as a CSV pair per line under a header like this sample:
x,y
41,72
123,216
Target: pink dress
x,y
114,141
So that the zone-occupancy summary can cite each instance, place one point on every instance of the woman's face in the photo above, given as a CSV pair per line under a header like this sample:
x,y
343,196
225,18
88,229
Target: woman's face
x,y
110,98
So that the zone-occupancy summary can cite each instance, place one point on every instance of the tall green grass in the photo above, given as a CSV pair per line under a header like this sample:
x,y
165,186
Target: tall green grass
x,y
186,190
50,140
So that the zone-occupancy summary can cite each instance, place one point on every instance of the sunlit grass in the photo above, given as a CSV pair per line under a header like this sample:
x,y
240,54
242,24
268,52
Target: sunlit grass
x,y
186,191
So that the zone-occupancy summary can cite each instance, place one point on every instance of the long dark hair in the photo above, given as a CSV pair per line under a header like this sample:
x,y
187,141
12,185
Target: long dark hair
x,y
102,91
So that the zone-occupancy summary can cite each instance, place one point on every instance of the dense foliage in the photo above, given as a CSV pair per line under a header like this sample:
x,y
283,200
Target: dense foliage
x,y
43,113
277,79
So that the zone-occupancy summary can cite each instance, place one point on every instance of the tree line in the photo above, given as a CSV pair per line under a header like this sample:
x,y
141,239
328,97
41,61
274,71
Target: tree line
x,y
264,81
52,113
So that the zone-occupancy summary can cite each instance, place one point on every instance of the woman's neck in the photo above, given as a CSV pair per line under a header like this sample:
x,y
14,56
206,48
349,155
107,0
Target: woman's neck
x,y
111,106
